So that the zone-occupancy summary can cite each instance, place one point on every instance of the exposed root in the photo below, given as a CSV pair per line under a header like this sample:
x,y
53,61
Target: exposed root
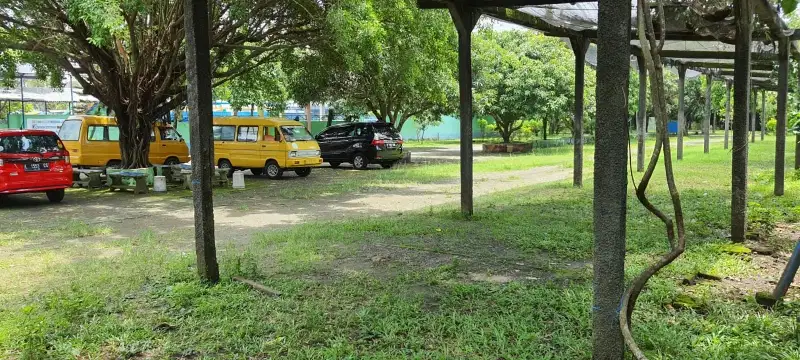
x,y
650,51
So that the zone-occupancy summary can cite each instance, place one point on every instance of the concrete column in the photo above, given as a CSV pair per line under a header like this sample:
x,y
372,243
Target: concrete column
x,y
743,13
763,114
681,108
707,118
579,47
465,18
198,69
610,176
641,115
753,109
780,129
727,112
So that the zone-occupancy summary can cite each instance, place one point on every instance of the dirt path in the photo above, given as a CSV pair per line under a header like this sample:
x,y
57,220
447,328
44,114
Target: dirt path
x,y
239,217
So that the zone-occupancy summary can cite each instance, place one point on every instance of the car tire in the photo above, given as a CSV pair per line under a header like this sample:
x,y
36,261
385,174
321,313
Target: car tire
x,y
303,172
334,164
273,170
257,171
387,165
55,196
226,164
360,161
172,161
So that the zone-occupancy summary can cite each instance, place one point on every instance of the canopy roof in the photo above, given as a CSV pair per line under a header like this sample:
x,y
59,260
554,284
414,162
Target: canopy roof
x,y
700,33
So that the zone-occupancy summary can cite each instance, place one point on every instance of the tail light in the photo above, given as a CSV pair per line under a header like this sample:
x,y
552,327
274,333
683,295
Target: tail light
x,y
377,142
66,159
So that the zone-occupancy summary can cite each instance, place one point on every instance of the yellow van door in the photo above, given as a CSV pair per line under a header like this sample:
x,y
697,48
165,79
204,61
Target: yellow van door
x,y
272,148
246,150
158,151
176,150
224,138
102,145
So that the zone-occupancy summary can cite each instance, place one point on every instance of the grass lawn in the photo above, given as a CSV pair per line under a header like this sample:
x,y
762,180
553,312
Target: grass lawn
x,y
514,282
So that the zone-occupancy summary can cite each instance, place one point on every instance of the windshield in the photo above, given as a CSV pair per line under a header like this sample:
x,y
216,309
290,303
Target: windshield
x,y
30,144
296,133
70,130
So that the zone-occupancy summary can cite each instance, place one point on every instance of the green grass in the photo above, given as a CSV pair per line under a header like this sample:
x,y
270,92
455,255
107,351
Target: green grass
x,y
342,300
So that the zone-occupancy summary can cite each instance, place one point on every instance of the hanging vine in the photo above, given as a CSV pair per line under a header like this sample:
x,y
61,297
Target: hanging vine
x,y
651,47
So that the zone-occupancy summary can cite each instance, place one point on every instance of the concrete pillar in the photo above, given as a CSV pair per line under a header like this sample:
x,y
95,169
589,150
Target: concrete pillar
x,y
579,47
763,113
707,117
743,13
198,73
641,115
610,176
681,108
727,112
465,18
780,129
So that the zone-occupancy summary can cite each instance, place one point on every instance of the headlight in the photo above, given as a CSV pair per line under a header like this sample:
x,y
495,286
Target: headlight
x,y
292,154
318,153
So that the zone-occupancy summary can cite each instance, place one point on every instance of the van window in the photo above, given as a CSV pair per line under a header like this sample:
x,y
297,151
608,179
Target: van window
x,y
169,134
271,134
248,134
97,133
224,133
70,130
113,133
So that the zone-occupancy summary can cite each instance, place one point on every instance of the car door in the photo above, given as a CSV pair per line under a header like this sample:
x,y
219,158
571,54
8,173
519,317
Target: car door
x,y
170,145
224,139
246,151
272,146
342,141
328,140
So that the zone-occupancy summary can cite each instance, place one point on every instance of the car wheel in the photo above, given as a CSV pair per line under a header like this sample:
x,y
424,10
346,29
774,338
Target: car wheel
x,y
55,196
334,164
303,172
360,161
273,171
257,171
226,164
172,161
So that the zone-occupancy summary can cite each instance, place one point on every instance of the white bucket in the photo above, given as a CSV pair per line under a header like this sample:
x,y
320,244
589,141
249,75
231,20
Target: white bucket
x,y
238,180
160,184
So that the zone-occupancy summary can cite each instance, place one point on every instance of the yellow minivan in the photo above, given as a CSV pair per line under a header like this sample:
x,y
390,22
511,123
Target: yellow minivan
x,y
93,141
262,145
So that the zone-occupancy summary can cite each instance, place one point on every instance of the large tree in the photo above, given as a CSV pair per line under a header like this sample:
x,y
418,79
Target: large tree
x,y
130,54
385,56
521,75
264,87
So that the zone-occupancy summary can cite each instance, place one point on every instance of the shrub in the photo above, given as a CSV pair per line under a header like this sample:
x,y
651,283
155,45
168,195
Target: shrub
x,y
772,124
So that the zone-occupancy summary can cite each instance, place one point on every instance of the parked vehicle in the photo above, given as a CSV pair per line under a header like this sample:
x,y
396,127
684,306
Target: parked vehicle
x,y
265,145
34,161
94,141
361,144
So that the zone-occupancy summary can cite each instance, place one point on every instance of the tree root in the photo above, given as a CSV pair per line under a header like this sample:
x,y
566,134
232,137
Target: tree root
x,y
650,50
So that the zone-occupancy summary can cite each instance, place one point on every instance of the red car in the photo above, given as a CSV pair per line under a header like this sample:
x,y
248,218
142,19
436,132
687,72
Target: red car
x,y
34,161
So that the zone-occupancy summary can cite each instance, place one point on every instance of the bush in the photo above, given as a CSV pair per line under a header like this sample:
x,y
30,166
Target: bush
x,y
772,124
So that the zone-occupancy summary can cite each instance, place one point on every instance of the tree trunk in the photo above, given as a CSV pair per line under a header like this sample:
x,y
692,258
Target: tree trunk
x,y
544,129
330,117
134,138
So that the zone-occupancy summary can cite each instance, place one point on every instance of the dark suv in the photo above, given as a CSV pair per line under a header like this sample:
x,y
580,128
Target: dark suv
x,y
361,144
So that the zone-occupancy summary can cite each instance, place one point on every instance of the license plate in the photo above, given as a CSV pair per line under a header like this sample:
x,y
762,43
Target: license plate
x,y
391,145
37,167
